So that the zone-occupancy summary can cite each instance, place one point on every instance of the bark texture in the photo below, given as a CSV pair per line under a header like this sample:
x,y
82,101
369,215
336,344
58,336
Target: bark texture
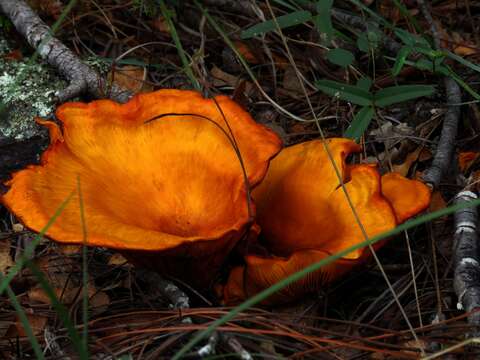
x,y
443,158
466,260
15,153
81,77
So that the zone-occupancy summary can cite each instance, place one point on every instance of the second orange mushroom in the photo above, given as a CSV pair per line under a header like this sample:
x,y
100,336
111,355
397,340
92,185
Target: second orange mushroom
x,y
305,216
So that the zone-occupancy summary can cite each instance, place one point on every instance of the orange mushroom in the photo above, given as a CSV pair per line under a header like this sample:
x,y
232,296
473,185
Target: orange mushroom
x,y
160,177
305,216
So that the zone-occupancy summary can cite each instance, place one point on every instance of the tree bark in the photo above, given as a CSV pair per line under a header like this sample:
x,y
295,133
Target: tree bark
x,y
81,77
466,280
16,154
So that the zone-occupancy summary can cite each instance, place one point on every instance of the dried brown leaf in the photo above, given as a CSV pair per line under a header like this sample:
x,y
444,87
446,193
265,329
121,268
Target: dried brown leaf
x,y
6,260
130,77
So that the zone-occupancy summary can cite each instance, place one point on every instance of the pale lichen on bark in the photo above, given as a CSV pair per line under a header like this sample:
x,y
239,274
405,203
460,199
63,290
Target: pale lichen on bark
x,y
82,79
26,92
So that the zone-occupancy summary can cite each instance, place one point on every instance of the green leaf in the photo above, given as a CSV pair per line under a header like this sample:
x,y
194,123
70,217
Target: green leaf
x,y
400,60
364,83
426,65
340,57
25,322
368,41
423,64
345,92
429,52
410,39
292,19
360,123
396,94
323,21
445,70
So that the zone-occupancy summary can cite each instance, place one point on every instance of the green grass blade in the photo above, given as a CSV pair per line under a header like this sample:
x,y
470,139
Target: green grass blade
x,y
178,44
242,61
424,64
462,61
396,94
412,40
30,249
400,60
345,92
459,80
427,65
314,267
284,21
25,323
84,268
360,123
60,310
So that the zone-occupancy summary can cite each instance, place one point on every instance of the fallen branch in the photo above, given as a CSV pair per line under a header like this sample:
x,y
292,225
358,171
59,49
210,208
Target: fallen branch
x,y
210,348
82,78
466,280
442,160
165,288
231,341
236,347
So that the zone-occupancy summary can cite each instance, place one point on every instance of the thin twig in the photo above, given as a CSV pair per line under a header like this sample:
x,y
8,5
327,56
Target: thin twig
x,y
237,347
210,347
52,345
168,289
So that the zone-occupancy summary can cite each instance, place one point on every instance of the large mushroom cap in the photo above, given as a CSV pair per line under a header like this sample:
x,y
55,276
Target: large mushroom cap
x,y
158,173
305,216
